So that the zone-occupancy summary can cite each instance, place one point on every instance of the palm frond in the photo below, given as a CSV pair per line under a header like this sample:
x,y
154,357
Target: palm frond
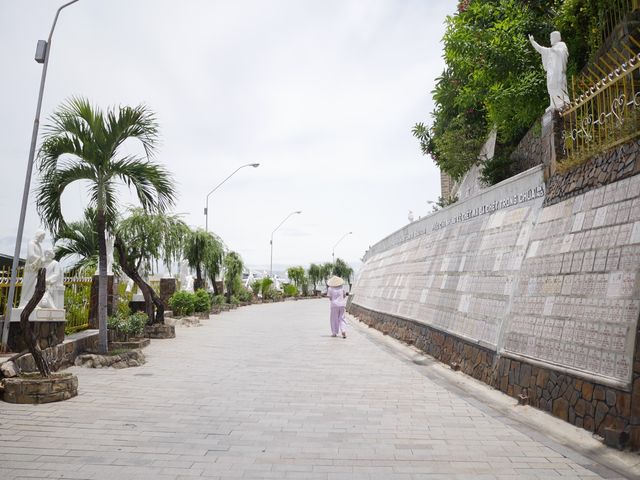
x,y
152,182
49,193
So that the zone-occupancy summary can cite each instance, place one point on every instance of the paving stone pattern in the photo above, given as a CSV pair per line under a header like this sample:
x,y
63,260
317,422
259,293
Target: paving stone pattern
x,y
265,392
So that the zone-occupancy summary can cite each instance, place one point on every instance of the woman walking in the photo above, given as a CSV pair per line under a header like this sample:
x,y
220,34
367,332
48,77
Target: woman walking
x,y
337,295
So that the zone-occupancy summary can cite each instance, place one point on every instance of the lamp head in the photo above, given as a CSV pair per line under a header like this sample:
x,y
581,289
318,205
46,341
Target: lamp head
x,y
299,211
255,165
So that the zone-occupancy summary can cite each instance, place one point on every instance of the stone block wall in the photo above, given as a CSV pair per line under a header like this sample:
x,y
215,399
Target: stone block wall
x,y
608,167
48,334
532,299
586,404
64,354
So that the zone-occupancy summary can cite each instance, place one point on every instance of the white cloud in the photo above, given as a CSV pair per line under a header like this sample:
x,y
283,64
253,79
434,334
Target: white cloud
x,y
322,94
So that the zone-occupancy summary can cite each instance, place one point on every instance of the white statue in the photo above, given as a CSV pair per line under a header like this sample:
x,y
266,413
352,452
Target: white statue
x,y
186,279
554,61
109,239
411,217
35,260
54,295
129,287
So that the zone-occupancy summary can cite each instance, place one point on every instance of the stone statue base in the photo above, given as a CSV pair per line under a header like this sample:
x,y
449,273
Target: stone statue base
x,y
46,323
40,315
137,297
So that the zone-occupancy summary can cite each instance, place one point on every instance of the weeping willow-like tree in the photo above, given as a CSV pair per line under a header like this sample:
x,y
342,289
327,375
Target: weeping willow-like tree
x,y
204,251
343,270
315,276
142,241
233,273
84,143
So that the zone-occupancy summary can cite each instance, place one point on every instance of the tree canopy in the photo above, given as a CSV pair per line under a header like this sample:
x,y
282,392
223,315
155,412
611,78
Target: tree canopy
x,y
494,79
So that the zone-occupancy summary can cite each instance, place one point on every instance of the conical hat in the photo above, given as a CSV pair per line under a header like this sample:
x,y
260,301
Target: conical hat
x,y
335,281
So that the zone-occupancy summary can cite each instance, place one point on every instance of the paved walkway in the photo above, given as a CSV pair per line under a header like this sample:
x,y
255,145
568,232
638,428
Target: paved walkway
x,y
265,392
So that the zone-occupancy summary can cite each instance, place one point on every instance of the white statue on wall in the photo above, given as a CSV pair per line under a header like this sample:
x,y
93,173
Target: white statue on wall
x,y
186,279
35,260
54,296
554,61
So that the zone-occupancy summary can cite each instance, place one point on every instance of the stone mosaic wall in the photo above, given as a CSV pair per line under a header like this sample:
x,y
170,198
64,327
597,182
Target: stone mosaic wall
x,y
586,404
554,288
577,302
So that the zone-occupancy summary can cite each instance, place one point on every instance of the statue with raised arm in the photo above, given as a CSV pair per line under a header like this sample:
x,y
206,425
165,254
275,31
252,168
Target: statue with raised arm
x,y
554,62
34,261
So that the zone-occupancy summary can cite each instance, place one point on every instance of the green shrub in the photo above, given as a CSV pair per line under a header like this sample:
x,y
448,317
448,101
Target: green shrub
x,y
267,288
244,295
134,324
256,285
218,299
289,290
128,326
234,300
76,304
202,301
182,303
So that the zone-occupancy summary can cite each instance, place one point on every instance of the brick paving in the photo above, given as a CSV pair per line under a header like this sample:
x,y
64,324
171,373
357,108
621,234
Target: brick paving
x,y
264,392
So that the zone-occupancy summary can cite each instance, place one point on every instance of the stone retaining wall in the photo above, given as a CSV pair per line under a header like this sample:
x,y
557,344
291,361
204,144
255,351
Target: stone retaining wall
x,y
608,167
589,405
555,288
64,354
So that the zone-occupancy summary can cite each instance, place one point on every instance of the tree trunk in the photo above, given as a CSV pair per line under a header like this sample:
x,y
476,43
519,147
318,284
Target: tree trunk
x,y
29,338
214,284
198,284
102,282
151,299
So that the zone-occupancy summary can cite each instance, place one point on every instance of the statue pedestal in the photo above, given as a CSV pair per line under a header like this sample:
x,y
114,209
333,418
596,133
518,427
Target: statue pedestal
x,y
551,136
137,303
40,315
167,288
46,323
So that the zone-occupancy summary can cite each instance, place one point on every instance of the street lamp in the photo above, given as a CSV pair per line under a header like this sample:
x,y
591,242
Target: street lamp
x,y
43,49
271,241
333,250
206,208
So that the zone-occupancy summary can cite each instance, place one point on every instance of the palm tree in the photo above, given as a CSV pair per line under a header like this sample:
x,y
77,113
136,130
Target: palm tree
x,y
84,143
79,240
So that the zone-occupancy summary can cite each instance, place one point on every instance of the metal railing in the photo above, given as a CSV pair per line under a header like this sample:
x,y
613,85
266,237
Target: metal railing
x,y
77,296
612,15
605,106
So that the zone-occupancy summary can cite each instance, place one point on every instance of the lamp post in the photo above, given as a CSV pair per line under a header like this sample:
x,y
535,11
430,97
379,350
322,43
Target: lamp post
x,y
206,208
43,49
271,241
333,250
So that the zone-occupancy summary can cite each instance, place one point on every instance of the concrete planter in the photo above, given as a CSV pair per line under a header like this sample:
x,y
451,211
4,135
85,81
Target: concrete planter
x,y
33,389
130,344
160,330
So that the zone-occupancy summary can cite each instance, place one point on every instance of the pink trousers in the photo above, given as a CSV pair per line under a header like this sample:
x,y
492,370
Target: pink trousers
x,y
338,324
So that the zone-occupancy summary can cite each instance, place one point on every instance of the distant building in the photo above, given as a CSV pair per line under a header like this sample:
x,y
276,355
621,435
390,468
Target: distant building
x,y
7,260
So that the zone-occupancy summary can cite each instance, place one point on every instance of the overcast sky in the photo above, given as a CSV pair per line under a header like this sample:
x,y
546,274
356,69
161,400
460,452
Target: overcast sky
x,y
323,94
